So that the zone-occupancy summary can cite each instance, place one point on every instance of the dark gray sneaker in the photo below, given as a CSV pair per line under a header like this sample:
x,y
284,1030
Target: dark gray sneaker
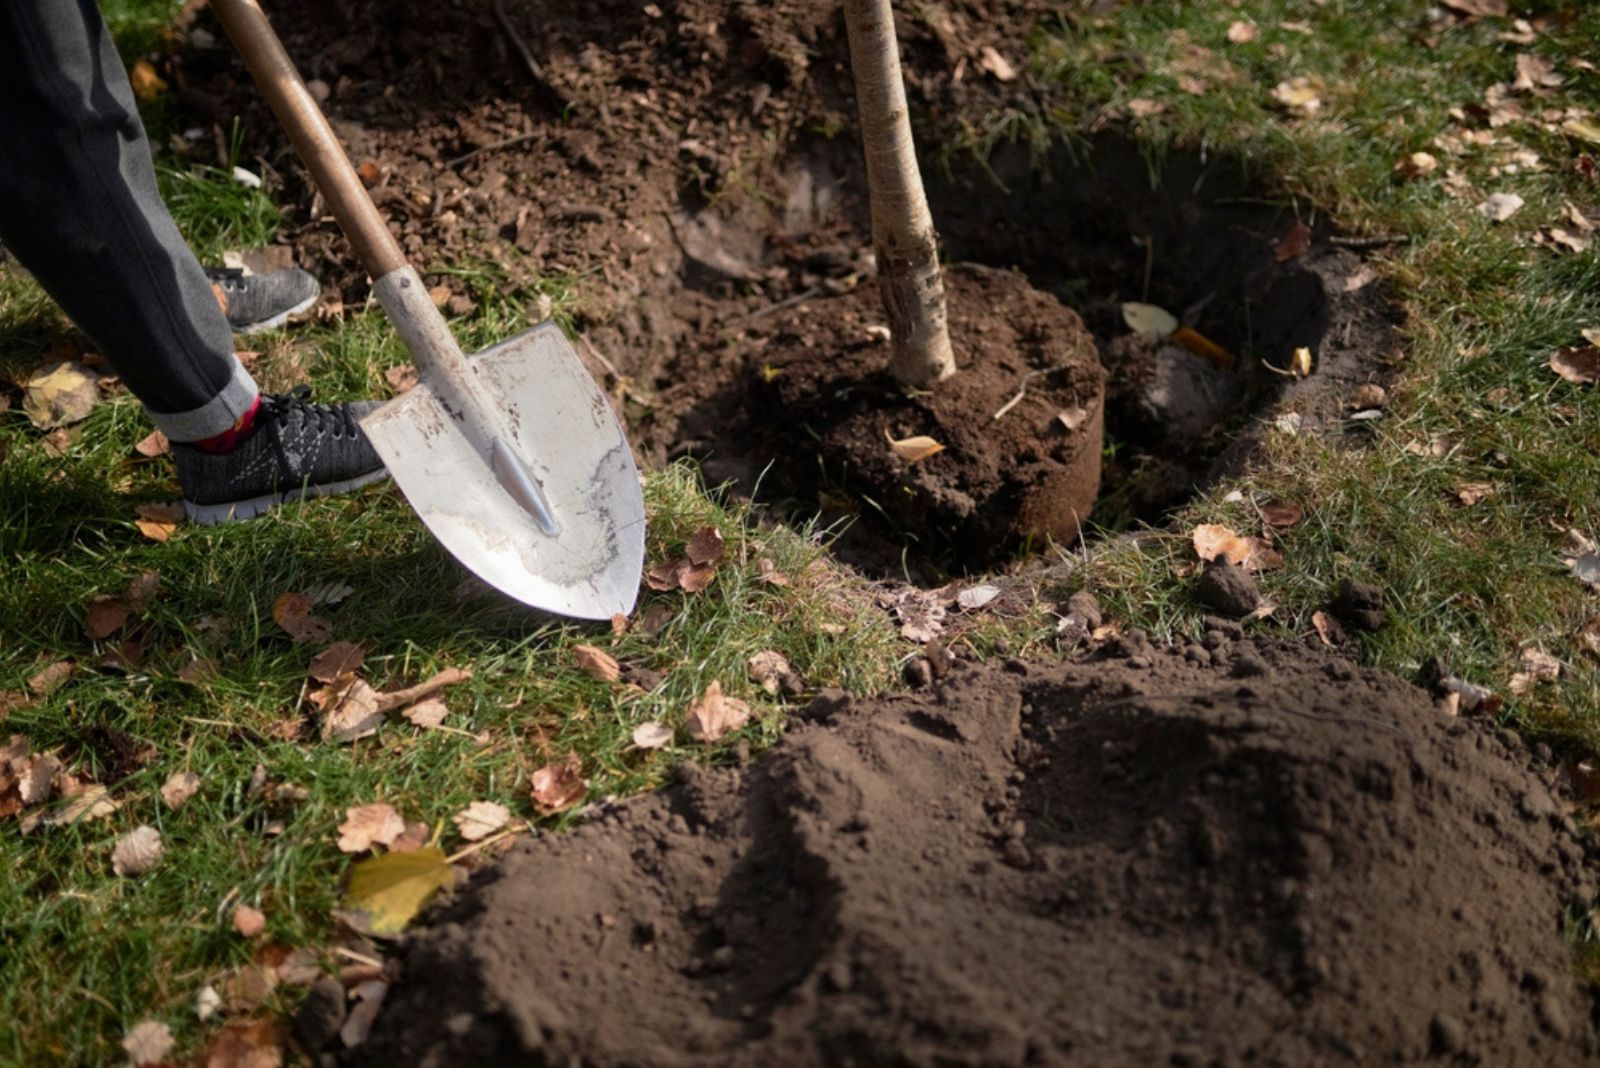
x,y
257,302
297,449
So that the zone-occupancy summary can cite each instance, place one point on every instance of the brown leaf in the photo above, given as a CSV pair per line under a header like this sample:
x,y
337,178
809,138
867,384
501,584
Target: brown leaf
x,y
1212,542
1299,93
402,378
158,521
368,998
1242,32
768,572
49,678
714,714
1329,629
142,590
559,786
996,64
1577,363
340,658
696,577
914,449
1281,515
1587,637
481,819
60,393
1534,73
1470,493
1537,666
103,616
415,837
1368,396
706,546
153,444
368,825
137,852
249,921
1293,244
1416,165
597,663
427,714
1478,8
619,624
179,788
244,1044
292,612
768,670
681,574
355,716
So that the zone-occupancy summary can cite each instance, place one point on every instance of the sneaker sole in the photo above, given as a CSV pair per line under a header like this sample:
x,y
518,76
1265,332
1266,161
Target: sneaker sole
x,y
207,515
277,320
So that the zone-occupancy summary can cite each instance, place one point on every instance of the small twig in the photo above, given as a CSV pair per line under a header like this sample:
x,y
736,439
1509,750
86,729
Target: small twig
x,y
788,302
485,844
527,57
497,146
1022,391
359,958
1375,241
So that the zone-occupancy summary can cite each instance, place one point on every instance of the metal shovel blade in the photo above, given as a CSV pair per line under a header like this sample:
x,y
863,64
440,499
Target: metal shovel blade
x,y
548,508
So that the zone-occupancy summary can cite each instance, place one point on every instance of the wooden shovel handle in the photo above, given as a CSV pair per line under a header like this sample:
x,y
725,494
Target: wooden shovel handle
x,y
313,139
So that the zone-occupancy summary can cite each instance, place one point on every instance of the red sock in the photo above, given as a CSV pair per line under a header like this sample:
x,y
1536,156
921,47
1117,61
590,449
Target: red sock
x,y
234,436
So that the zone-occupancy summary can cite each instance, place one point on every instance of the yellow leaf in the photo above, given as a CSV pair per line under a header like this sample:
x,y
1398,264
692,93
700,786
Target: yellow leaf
x,y
391,889
1583,130
147,84
59,394
913,449
1148,319
1301,364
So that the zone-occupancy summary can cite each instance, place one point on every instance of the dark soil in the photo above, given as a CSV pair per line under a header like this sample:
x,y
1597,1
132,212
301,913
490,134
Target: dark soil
x,y
694,162
1236,854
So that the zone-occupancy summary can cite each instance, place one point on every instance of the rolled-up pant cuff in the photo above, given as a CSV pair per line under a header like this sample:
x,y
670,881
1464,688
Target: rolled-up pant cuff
x,y
213,417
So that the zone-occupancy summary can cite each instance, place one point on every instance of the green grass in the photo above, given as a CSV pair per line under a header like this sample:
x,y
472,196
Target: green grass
x,y
89,953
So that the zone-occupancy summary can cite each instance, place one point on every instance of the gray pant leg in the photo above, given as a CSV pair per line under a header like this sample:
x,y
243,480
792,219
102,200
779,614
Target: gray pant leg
x,y
79,208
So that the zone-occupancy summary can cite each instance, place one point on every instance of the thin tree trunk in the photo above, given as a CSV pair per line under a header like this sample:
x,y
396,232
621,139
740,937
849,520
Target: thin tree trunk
x,y
902,229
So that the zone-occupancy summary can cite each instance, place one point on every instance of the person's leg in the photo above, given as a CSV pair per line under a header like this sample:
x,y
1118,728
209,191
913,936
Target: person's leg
x,y
80,209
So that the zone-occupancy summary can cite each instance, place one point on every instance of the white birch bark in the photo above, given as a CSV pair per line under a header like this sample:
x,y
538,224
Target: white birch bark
x,y
903,237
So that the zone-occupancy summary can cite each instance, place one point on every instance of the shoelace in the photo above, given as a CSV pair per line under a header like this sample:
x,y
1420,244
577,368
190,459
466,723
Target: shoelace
x,y
278,409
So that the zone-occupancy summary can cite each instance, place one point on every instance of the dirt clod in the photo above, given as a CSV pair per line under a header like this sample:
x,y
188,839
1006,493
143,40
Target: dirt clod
x,y
1228,588
1360,605
319,1015
1040,863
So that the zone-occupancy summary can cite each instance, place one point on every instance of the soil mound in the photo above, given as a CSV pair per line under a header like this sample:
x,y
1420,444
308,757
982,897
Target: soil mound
x,y
1236,854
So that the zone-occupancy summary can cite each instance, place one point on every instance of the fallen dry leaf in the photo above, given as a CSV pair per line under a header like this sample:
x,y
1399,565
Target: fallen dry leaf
x,y
681,574
104,616
158,521
147,1042
137,852
1281,515
91,803
715,714
367,825
597,663
1534,73
244,1044
401,379
368,998
292,612
179,788
1417,165
207,1002
249,921
1242,32
1478,8
1071,418
49,678
481,819
768,669
1150,320
706,546
153,444
996,64
340,658
1369,395
1300,363
427,714
557,787
913,449
652,735
1329,629
1577,363
416,836
1144,108
1537,666
357,714
146,83
1293,244
1500,207
1300,93
1213,542
60,393
1470,493
387,891
1587,637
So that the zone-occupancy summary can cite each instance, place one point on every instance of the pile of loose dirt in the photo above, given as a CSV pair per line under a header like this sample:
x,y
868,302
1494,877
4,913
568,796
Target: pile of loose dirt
x,y
1235,853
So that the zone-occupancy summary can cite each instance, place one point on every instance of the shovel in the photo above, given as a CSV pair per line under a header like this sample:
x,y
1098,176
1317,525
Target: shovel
x,y
512,456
